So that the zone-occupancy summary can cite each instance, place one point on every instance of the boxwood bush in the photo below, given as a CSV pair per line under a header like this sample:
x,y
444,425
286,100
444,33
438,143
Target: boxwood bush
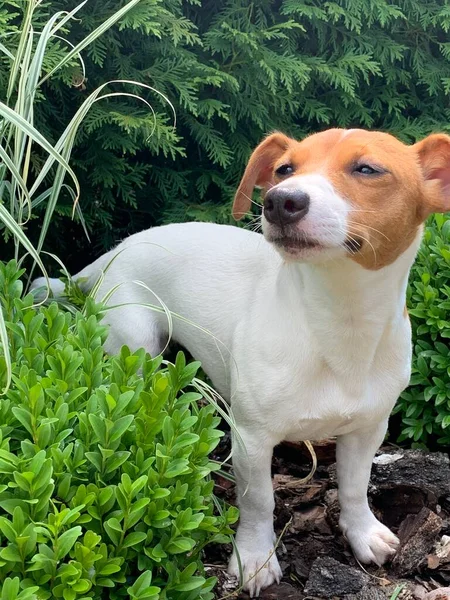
x,y
105,488
425,405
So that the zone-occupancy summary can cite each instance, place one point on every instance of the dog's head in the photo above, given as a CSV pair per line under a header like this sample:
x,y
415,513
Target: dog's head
x,y
348,193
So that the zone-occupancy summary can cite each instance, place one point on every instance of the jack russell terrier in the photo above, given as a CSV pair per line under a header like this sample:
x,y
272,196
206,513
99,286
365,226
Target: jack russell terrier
x,y
303,329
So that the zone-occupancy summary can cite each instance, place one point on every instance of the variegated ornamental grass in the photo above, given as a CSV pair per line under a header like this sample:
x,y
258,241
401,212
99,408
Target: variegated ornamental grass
x,y
20,191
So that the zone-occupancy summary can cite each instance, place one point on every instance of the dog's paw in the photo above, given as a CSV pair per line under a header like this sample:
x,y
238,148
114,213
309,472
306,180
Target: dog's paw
x,y
260,569
372,542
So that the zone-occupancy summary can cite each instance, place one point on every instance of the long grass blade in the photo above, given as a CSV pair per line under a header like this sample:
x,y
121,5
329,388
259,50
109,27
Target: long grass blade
x,y
36,64
16,175
19,121
51,204
44,195
20,139
17,232
5,50
68,15
71,129
64,145
6,353
17,64
91,37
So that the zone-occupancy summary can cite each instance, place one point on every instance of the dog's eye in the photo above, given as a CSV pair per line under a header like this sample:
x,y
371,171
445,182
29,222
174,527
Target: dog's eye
x,y
366,170
284,170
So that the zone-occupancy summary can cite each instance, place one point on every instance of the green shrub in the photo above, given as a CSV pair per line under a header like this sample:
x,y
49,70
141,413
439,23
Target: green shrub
x,y
425,405
105,486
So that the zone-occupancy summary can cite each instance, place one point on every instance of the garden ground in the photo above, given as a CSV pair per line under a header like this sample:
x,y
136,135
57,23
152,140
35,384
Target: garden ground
x,y
409,492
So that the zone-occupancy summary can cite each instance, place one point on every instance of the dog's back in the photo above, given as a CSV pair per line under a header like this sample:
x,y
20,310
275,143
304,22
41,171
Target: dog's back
x,y
156,278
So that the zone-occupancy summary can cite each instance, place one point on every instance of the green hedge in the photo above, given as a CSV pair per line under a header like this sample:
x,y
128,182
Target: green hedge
x,y
105,487
425,406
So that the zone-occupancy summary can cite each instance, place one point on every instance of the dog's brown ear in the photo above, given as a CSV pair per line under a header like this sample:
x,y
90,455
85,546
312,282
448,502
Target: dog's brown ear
x,y
434,157
259,171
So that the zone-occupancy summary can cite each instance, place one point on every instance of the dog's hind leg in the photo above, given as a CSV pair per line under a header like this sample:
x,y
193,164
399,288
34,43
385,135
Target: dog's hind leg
x,y
136,327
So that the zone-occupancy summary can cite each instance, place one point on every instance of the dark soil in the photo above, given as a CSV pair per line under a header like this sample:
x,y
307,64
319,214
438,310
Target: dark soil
x,y
410,494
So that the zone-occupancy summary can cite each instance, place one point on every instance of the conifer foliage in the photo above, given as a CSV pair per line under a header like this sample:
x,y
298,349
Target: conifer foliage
x,y
234,71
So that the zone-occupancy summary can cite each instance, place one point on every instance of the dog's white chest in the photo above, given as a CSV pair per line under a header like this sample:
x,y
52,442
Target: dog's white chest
x,y
331,409
305,389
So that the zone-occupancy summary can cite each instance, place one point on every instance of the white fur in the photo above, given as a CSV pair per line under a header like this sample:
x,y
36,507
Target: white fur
x,y
303,349
326,220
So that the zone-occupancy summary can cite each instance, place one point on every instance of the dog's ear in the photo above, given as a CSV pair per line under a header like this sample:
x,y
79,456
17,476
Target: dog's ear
x,y
434,158
258,172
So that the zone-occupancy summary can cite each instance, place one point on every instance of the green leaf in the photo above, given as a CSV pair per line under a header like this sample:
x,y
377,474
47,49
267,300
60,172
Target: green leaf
x,y
120,426
142,588
99,427
133,539
66,541
109,569
10,554
177,467
193,584
117,460
180,545
115,524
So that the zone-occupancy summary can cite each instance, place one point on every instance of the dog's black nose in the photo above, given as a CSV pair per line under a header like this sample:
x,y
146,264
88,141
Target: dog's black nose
x,y
285,206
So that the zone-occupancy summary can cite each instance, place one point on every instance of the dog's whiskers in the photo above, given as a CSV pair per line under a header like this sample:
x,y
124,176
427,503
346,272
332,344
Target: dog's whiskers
x,y
351,236
369,227
356,231
258,204
254,224
358,235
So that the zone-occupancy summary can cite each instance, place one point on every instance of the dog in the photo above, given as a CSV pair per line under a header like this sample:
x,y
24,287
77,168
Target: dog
x,y
304,328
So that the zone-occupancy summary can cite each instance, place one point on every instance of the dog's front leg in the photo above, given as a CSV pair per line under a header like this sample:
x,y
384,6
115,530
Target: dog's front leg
x,y
255,535
370,540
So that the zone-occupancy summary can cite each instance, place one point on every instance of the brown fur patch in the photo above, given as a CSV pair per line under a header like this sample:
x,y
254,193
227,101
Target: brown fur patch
x,y
259,171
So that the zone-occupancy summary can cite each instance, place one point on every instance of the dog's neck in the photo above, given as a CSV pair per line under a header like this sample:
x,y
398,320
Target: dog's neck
x,y
351,310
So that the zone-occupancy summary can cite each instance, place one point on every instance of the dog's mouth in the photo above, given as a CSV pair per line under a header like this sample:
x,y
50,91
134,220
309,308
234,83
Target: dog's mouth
x,y
305,245
296,244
